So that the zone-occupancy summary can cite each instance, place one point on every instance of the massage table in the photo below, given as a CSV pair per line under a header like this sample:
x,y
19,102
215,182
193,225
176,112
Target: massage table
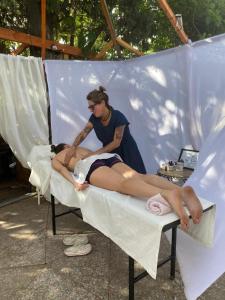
x,y
123,219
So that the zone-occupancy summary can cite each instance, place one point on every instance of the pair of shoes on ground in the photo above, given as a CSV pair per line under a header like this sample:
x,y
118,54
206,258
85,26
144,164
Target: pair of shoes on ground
x,y
79,245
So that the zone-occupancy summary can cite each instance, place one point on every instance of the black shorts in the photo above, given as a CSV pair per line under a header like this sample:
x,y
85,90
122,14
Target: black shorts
x,y
108,162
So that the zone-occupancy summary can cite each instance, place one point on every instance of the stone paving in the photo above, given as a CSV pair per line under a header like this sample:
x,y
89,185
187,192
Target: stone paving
x,y
33,265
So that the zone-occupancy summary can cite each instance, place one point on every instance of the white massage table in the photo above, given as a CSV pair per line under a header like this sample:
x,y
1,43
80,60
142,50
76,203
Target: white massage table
x,y
122,218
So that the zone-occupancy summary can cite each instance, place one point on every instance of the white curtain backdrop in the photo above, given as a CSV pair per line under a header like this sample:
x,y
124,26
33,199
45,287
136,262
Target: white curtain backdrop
x,y
23,104
206,91
173,99
151,91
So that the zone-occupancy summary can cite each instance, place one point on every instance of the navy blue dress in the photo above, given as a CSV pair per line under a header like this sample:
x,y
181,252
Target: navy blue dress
x,y
128,149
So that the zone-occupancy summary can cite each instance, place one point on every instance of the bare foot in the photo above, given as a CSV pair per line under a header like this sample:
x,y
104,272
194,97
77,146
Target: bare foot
x,y
174,198
193,204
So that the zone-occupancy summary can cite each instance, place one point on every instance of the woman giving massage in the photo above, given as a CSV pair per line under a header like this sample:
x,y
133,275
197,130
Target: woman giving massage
x,y
107,171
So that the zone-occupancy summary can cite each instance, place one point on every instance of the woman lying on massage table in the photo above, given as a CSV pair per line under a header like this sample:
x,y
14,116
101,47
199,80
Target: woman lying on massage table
x,y
107,171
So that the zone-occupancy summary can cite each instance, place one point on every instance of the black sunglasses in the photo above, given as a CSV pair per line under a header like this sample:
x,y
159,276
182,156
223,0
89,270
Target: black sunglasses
x,y
92,106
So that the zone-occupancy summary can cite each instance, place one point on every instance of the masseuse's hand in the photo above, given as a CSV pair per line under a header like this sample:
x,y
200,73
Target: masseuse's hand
x,y
80,186
71,152
86,155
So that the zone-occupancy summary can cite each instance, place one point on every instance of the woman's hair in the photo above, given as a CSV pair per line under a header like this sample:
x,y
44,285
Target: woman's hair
x,y
57,148
97,96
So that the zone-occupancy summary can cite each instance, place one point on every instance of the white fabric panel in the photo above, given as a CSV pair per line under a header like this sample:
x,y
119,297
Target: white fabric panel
x,y
115,214
126,221
158,101
200,266
207,93
151,91
23,105
69,83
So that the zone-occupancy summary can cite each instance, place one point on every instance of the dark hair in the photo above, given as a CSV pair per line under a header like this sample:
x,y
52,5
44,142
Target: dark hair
x,y
57,148
97,96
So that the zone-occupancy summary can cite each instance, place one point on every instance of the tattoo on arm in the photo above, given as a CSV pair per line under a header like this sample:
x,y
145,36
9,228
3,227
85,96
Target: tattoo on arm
x,y
87,130
119,133
82,135
78,139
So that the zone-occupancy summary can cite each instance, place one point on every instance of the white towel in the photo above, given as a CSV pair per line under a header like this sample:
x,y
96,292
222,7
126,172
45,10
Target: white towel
x,y
158,205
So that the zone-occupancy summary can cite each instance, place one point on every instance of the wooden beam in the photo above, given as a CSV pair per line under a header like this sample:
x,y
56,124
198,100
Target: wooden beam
x,y
115,39
43,29
106,14
102,53
19,49
31,40
129,47
173,20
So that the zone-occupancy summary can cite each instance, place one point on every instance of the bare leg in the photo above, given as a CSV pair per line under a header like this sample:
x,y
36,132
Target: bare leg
x,y
193,204
151,179
190,199
175,200
138,188
159,181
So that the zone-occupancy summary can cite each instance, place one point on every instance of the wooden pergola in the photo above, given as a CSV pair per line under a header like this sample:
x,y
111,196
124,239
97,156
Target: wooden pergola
x,y
28,40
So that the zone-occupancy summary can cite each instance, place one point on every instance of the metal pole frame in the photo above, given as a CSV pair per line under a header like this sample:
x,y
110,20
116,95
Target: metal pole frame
x,y
172,258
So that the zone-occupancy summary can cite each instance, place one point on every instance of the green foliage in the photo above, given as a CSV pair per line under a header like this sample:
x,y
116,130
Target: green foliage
x,y
139,22
202,18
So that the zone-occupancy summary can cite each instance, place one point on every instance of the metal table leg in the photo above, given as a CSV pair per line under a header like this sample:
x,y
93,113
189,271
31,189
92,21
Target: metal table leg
x,y
131,278
53,215
173,253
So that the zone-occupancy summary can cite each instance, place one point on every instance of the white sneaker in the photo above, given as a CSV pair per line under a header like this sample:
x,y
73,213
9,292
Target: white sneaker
x,y
75,239
78,250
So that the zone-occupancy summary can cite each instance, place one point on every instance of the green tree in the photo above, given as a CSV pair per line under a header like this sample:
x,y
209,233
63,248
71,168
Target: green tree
x,y
139,22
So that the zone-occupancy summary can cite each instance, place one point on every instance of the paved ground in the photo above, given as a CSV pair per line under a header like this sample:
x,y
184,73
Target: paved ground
x,y
33,266
11,190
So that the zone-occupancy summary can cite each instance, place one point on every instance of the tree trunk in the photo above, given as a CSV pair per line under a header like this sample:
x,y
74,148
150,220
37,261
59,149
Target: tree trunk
x,y
34,23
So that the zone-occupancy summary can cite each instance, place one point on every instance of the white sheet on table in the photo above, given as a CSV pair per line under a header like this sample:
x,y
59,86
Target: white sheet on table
x,y
125,220
64,191
39,161
122,218
40,175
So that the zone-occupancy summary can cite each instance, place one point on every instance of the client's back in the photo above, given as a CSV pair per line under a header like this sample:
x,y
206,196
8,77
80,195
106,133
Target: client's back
x,y
80,154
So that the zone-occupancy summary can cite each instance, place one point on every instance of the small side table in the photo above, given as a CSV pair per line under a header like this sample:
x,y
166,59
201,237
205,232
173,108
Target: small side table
x,y
179,176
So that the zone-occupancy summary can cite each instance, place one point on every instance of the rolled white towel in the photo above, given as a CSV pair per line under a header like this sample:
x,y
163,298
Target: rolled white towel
x,y
157,205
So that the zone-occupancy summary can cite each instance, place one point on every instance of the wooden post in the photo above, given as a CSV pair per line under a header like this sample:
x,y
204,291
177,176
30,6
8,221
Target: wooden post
x,y
43,29
116,41
173,20
106,14
102,53
129,47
